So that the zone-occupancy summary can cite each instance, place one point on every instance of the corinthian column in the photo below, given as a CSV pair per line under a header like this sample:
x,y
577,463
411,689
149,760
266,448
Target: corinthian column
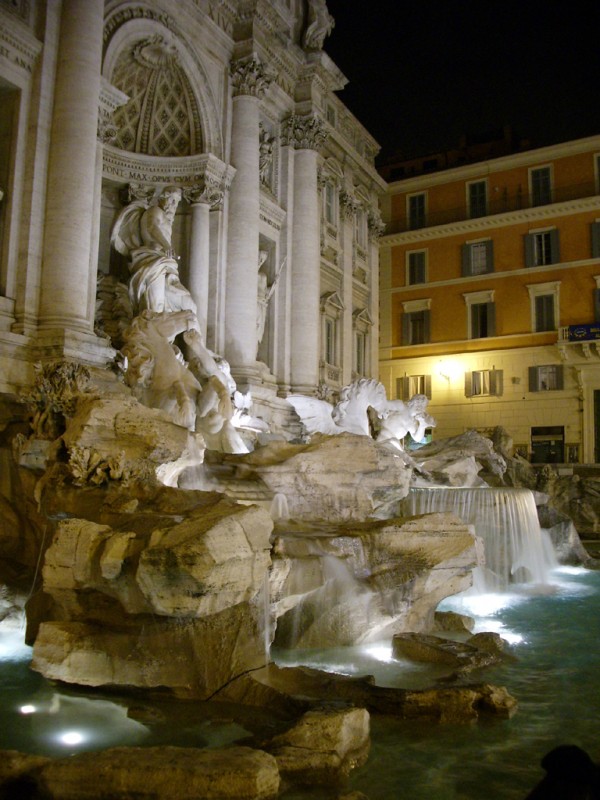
x,y
305,134
64,301
249,81
201,198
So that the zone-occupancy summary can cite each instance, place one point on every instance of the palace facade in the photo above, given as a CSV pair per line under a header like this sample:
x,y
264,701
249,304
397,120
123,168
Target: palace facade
x,y
490,296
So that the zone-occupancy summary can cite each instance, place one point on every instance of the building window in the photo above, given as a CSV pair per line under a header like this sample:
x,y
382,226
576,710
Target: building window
x,y
544,313
477,198
416,211
410,385
483,383
545,303
330,114
330,341
362,323
540,186
542,248
330,204
595,237
415,267
546,378
361,227
477,258
416,322
481,314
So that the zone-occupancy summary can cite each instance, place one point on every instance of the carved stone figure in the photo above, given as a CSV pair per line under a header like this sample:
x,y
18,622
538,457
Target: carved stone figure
x,y
143,233
264,294
320,25
400,418
265,156
363,406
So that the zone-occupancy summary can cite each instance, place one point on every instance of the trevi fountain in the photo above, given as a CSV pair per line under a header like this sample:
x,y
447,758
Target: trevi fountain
x,y
231,566
197,605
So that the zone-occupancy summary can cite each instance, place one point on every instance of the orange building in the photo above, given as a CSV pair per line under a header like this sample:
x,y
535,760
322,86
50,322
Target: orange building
x,y
490,297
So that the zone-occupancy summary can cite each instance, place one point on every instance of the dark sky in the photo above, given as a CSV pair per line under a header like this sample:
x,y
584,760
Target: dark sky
x,y
423,72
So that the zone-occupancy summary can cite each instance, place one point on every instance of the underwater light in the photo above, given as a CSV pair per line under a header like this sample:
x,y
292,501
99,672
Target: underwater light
x,y
28,709
571,570
71,737
382,651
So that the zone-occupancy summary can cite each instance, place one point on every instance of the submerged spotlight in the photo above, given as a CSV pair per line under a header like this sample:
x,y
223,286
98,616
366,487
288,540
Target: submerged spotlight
x,y
28,709
71,737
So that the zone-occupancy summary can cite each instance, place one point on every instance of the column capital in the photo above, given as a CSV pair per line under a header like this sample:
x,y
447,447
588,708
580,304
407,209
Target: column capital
x,y
349,203
303,133
204,192
249,77
375,224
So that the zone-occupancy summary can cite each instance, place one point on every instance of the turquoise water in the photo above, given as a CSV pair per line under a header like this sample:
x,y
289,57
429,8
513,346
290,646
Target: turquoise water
x,y
555,679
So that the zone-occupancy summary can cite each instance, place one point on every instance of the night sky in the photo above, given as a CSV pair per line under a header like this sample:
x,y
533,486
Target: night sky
x,y
422,73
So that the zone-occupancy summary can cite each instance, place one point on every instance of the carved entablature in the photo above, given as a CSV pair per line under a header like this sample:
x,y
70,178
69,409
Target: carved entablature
x,y
187,171
303,133
271,213
375,224
222,13
119,18
110,99
19,47
249,77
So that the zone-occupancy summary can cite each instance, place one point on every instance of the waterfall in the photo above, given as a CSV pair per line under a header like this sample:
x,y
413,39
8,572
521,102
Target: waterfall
x,y
516,549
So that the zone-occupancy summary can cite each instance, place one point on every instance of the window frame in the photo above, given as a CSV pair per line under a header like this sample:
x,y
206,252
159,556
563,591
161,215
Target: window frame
x,y
409,254
421,222
475,214
495,379
535,378
410,308
531,247
546,199
476,300
543,290
467,250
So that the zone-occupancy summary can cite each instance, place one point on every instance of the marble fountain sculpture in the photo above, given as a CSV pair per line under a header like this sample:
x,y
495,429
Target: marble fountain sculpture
x,y
173,555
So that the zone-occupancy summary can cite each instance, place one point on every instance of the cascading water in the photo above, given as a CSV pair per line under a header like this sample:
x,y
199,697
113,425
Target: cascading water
x,y
516,549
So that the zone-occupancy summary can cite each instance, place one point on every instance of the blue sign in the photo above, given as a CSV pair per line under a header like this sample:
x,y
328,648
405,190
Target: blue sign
x,y
582,333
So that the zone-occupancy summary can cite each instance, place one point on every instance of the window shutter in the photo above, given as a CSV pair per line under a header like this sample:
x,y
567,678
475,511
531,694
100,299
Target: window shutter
x,y
405,328
466,260
402,385
496,382
489,256
427,326
595,240
560,377
428,386
596,305
468,384
529,250
491,319
554,246
533,380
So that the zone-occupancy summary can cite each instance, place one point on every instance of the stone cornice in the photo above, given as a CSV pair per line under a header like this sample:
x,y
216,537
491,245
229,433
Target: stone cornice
x,y
534,272
17,44
125,167
481,168
110,99
481,224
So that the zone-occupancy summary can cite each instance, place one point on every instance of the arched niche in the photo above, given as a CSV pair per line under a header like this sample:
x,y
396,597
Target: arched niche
x,y
157,56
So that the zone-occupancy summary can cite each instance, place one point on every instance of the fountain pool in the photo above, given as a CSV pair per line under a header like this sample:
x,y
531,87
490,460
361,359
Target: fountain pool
x,y
554,679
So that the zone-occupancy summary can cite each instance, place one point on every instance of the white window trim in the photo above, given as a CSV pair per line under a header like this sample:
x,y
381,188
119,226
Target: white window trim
x,y
407,265
539,289
597,279
487,196
408,306
530,172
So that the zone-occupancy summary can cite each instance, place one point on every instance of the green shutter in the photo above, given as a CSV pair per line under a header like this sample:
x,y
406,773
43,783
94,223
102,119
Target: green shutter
x,y
496,382
529,250
491,319
596,305
595,227
427,326
428,386
533,380
465,260
468,384
489,256
560,377
405,328
554,246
